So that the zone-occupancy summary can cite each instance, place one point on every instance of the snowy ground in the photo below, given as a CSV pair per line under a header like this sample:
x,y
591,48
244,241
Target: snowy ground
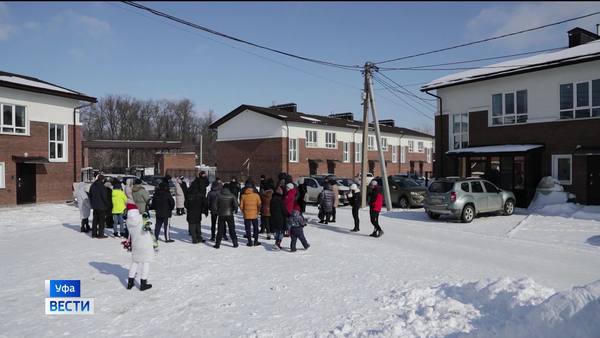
x,y
496,276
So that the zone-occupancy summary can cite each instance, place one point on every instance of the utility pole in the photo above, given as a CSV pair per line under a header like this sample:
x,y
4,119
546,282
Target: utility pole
x,y
365,140
369,99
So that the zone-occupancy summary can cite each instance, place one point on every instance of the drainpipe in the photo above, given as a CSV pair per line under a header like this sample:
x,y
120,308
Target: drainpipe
x,y
353,155
441,132
75,139
287,147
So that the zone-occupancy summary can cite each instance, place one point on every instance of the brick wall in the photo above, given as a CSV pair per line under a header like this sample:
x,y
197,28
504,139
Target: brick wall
x,y
54,181
269,157
175,161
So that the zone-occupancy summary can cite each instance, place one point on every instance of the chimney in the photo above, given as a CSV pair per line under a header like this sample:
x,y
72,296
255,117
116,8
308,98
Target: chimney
x,y
388,123
579,36
344,116
286,106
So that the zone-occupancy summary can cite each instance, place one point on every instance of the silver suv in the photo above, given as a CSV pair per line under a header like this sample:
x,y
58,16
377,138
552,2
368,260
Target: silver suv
x,y
465,198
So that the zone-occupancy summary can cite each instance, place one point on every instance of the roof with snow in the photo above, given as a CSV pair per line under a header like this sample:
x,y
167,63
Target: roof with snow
x,y
31,84
293,116
582,53
504,148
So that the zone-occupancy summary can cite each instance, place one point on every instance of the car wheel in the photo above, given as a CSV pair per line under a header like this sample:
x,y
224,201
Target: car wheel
x,y
403,202
509,207
468,214
432,215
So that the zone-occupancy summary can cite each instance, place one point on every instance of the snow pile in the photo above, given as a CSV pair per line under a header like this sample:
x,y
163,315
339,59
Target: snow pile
x,y
551,199
501,308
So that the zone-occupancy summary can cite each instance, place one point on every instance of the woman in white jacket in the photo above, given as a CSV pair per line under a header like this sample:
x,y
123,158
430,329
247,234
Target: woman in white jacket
x,y
142,247
179,196
83,203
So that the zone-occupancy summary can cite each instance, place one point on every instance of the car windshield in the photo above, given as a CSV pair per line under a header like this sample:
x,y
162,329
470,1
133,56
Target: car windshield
x,y
321,181
441,187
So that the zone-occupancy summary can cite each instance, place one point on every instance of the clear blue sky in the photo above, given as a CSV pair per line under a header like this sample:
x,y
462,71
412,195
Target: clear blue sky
x,y
104,48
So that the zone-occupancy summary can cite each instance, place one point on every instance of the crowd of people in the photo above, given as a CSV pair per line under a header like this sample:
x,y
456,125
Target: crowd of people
x,y
280,205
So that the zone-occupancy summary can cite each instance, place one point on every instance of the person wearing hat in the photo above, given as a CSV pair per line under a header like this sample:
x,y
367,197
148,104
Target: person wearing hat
x,y
179,196
375,205
163,204
302,191
278,216
355,201
250,205
142,248
226,206
326,198
101,205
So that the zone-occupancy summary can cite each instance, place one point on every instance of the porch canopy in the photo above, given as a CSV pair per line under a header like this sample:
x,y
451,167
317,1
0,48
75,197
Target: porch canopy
x,y
30,159
587,152
497,149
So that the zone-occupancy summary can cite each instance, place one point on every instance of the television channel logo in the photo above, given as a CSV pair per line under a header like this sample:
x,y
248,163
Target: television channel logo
x,y
64,298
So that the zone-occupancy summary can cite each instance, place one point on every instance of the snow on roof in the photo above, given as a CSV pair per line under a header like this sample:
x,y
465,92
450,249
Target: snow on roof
x,y
310,119
32,83
581,52
505,148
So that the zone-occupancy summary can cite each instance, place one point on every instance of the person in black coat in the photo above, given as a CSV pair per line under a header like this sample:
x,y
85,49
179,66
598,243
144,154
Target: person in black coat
x,y
108,185
99,202
355,200
234,187
163,204
278,216
302,191
213,196
227,205
196,205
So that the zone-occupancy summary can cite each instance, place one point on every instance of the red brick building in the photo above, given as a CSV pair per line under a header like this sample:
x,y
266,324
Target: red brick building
x,y
40,140
255,140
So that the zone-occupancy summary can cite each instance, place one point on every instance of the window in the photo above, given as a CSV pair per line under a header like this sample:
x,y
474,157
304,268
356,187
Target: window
x,y
490,188
394,154
476,187
411,146
402,154
580,100
346,157
330,140
384,144
460,130
311,183
2,174
293,156
13,119
420,147
357,152
464,187
511,110
429,152
371,144
561,168
57,142
311,138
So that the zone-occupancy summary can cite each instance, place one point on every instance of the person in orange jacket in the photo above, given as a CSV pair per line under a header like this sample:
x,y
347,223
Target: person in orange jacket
x,y
250,205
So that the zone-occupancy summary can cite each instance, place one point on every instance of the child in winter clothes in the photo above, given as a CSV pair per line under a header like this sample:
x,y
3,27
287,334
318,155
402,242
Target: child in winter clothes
x,y
297,224
142,247
355,201
119,199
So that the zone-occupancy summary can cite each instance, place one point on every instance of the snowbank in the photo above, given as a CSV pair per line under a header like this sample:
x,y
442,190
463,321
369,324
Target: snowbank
x,y
502,308
552,200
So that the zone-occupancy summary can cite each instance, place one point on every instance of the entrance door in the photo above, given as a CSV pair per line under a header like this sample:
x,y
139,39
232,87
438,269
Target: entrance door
x,y
313,167
330,167
25,183
372,167
593,180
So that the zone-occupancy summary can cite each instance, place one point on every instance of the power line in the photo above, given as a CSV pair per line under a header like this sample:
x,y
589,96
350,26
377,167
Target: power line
x,y
407,92
474,60
426,105
214,32
247,51
385,85
489,39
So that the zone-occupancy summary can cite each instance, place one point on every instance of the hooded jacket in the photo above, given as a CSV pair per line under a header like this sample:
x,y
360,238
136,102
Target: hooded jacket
x,y
326,199
141,196
83,201
163,203
213,196
278,212
250,204
119,199
142,241
226,203
290,201
196,205
376,200
179,195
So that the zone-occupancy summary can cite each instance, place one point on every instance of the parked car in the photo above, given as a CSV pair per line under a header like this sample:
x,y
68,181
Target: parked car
x,y
155,180
464,198
415,177
121,178
347,182
404,192
314,186
370,177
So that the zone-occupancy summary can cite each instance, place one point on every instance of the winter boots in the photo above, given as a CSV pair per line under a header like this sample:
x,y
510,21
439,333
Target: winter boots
x,y
130,283
144,285
85,225
355,229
